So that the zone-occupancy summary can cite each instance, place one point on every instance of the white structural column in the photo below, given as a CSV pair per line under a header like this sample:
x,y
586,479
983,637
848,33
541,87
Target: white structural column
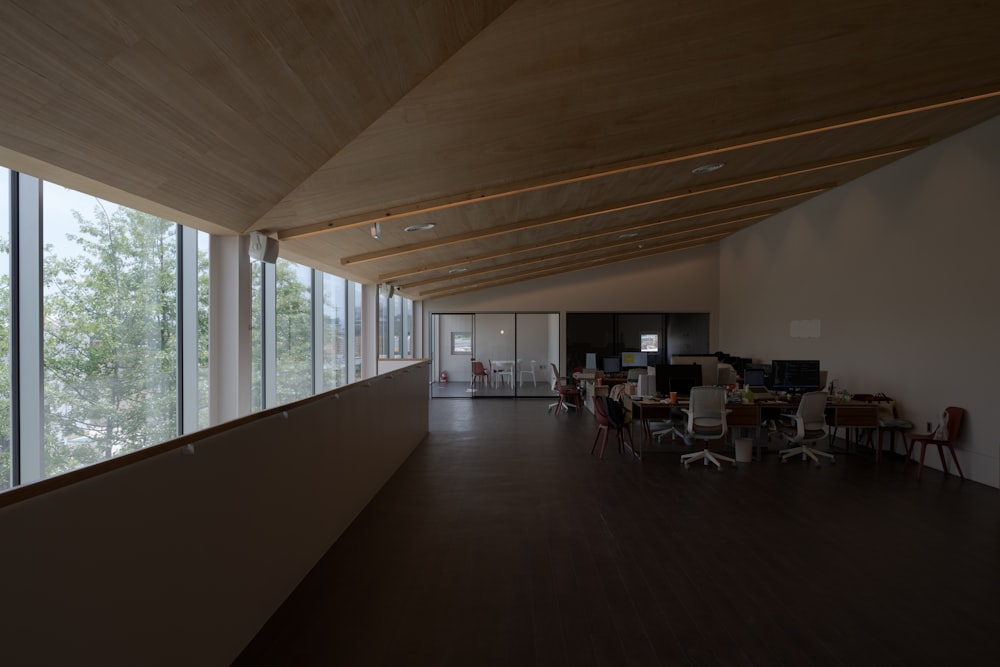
x,y
369,331
229,328
417,329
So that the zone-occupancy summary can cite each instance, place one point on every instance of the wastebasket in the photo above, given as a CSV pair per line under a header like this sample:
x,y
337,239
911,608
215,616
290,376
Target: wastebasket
x,y
744,450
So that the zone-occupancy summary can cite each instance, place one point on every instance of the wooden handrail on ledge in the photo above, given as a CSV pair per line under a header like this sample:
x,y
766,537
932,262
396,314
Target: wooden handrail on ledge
x,y
23,492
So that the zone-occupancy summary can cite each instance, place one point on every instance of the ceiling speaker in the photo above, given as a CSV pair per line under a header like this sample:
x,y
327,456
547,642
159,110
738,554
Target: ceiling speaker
x,y
263,248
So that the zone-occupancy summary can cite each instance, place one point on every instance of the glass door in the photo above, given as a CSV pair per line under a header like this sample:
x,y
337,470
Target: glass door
x,y
493,354
451,338
494,348
537,346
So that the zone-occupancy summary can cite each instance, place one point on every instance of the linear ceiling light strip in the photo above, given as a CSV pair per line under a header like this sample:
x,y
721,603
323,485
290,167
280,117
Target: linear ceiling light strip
x,y
580,264
616,208
704,151
465,261
582,251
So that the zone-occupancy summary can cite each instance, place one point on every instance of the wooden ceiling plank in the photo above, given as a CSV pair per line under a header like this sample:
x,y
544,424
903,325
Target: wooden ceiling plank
x,y
617,243
573,266
616,230
602,171
614,208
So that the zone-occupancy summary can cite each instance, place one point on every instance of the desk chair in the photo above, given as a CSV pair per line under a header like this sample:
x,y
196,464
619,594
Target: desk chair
x,y
521,373
479,374
890,423
706,420
942,436
610,418
503,371
564,393
809,428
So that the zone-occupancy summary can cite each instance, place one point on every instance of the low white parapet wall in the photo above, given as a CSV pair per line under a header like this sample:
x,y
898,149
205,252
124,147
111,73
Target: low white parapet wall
x,y
178,554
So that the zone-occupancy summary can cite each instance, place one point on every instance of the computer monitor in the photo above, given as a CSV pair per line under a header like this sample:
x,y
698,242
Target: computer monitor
x,y
630,359
677,377
795,375
740,364
709,366
611,365
753,377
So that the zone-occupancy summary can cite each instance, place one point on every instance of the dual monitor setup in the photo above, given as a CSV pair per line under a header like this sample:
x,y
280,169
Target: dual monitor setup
x,y
625,361
780,375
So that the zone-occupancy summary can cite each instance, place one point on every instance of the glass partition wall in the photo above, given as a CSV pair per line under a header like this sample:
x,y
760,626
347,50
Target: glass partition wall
x,y
493,354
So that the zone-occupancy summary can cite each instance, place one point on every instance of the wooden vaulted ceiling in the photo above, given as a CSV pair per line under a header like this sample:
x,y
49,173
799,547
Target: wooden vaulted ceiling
x,y
538,136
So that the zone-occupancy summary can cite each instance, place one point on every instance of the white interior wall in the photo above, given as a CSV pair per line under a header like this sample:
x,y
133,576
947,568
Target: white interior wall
x,y
898,267
181,557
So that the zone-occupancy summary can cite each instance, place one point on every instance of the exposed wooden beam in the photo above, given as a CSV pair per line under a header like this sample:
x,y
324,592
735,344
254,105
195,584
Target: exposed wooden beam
x,y
702,151
574,266
519,226
803,192
618,243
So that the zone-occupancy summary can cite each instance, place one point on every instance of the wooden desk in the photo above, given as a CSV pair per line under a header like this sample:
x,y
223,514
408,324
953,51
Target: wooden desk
x,y
853,415
849,414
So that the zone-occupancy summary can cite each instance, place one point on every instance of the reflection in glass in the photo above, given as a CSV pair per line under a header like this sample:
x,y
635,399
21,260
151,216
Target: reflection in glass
x,y
110,329
203,331
6,454
293,331
334,331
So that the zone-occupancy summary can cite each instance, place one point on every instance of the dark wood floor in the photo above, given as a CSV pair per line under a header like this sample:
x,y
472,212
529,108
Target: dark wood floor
x,y
501,541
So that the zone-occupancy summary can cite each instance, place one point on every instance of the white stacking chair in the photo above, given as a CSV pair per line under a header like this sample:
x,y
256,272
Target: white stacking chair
x,y
521,372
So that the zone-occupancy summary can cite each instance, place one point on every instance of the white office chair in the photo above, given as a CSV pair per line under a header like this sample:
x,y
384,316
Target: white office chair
x,y
564,393
809,427
521,372
706,420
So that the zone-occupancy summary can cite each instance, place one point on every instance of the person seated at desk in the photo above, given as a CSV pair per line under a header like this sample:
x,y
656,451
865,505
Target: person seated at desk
x,y
726,373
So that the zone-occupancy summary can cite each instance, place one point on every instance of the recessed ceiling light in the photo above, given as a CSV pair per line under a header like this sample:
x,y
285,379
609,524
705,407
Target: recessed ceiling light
x,y
458,270
419,228
707,168
628,235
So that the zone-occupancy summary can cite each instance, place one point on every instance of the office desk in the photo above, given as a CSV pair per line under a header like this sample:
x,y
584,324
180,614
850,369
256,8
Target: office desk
x,y
850,414
854,415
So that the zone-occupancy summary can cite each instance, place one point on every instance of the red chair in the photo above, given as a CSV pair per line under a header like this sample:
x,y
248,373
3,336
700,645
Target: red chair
x,y
943,436
479,373
605,422
564,393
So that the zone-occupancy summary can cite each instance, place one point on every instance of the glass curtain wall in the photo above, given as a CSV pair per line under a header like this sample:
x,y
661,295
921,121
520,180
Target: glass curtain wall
x,y
203,306
335,337
111,310
293,331
395,327
6,451
110,329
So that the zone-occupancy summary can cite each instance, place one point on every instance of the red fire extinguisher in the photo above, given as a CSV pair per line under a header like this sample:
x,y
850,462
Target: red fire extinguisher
x,y
444,376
